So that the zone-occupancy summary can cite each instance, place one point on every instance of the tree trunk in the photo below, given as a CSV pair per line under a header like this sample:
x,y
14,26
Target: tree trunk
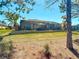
x,y
69,27
16,26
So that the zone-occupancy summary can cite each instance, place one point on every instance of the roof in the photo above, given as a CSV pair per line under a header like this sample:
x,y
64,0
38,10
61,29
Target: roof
x,y
42,21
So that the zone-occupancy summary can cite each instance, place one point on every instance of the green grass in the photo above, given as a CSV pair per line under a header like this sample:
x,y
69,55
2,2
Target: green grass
x,y
3,32
32,37
5,46
38,36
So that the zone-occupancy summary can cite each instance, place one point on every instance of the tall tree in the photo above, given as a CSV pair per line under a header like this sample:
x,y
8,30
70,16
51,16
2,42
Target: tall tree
x,y
13,9
72,11
69,29
13,19
68,5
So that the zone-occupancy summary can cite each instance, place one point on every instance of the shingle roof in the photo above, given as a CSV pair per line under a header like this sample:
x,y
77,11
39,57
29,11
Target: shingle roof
x,y
35,20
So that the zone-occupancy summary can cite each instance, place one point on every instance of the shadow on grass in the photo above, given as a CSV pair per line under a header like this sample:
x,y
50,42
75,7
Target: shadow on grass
x,y
74,51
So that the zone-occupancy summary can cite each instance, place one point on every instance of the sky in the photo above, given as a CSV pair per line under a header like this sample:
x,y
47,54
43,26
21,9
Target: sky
x,y
52,14
49,14
40,12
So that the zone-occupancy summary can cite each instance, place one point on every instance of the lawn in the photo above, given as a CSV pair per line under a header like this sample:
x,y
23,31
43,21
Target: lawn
x,y
4,32
32,43
39,36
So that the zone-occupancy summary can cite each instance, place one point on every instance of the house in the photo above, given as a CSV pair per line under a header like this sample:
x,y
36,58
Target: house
x,y
75,27
33,24
2,26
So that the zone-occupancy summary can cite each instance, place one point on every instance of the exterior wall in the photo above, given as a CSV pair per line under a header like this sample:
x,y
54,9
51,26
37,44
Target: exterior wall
x,y
22,25
76,27
38,25
28,26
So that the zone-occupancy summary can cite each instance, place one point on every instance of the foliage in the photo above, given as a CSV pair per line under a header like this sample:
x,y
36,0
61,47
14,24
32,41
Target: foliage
x,y
12,17
46,48
64,27
62,6
3,22
74,8
13,9
50,2
47,53
17,5
6,47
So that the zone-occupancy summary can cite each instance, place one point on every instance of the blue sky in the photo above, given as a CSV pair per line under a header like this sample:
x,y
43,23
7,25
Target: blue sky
x,y
41,13
49,14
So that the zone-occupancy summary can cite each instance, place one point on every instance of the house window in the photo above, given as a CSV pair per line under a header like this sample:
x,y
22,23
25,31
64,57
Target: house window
x,y
28,27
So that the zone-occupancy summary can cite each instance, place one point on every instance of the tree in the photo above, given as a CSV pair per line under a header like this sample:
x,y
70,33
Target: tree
x,y
63,25
72,11
69,29
14,8
13,19
65,6
3,22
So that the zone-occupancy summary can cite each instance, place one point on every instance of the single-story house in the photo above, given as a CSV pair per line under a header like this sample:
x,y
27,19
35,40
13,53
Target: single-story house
x,y
33,24
75,27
